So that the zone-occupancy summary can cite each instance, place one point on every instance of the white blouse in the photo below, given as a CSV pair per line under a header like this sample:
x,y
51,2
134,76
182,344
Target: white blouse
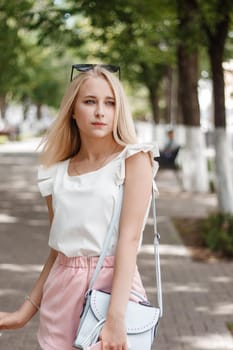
x,y
83,205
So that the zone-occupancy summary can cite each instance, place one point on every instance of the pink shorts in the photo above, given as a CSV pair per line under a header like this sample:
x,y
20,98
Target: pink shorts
x,y
63,297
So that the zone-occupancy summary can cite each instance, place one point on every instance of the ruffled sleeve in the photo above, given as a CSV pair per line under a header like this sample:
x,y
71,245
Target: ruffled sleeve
x,y
46,178
132,149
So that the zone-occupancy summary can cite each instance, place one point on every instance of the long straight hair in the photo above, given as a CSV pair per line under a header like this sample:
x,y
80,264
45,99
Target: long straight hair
x,y
62,140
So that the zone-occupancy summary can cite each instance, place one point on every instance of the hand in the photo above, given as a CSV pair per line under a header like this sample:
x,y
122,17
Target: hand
x,y
11,320
113,335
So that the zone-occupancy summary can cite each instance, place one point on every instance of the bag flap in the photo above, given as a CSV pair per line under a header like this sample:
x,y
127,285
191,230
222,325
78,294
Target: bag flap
x,y
139,318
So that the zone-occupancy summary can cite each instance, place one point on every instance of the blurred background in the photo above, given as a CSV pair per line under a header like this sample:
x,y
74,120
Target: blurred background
x,y
176,66
176,60
176,63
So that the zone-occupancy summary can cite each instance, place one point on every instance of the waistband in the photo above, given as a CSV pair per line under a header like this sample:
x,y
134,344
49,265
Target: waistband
x,y
83,261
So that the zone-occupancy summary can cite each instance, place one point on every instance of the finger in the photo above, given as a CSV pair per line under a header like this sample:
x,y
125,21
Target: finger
x,y
104,345
108,346
122,347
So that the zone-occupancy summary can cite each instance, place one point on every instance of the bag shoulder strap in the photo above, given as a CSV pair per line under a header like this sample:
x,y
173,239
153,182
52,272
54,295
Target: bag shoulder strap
x,y
107,239
157,257
156,248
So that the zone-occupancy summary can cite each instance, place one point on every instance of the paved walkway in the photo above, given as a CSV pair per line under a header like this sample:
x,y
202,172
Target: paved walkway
x,y
198,297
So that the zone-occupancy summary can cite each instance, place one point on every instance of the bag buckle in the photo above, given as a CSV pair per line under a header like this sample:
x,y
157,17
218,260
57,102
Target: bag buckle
x,y
88,292
145,303
156,238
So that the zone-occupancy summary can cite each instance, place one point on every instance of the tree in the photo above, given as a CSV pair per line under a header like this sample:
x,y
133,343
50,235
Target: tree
x,y
48,85
11,23
195,173
42,78
32,69
139,41
216,18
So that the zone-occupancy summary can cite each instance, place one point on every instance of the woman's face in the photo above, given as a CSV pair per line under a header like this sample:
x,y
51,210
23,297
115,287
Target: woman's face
x,y
94,108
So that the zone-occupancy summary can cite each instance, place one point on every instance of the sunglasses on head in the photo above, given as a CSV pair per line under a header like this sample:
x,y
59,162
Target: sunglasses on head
x,y
85,67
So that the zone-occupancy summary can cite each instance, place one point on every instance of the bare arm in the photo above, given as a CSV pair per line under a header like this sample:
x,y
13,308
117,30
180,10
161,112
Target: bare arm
x,y
137,193
27,310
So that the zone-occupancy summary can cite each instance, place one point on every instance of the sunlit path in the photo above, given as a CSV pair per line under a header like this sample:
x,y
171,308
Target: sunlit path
x,y
198,297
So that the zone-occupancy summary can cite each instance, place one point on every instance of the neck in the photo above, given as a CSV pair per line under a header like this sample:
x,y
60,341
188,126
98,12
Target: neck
x,y
97,149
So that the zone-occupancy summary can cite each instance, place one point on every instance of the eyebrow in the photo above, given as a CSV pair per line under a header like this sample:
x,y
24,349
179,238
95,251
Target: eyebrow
x,y
93,96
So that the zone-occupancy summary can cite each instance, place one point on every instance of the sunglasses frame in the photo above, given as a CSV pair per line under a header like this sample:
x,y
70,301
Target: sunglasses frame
x,y
86,67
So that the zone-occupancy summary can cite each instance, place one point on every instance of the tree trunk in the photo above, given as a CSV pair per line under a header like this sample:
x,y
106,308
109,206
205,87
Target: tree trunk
x,y
188,79
224,183
192,155
216,44
168,95
26,106
38,111
174,99
153,98
194,165
3,106
152,80
180,119
216,59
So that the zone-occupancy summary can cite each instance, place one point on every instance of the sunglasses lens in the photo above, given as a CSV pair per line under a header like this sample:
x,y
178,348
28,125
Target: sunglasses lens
x,y
111,68
83,67
86,67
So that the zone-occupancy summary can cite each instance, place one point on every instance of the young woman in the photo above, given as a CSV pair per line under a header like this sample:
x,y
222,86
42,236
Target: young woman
x,y
88,153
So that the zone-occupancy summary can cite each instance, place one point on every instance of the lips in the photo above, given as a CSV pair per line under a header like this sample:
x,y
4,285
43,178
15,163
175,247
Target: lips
x,y
98,124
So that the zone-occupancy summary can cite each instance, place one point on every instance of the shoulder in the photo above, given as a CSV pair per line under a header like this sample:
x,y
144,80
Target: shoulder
x,y
45,172
46,177
138,166
139,160
140,148
142,154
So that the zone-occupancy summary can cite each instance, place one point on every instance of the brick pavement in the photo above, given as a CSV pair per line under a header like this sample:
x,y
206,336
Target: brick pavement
x,y
197,296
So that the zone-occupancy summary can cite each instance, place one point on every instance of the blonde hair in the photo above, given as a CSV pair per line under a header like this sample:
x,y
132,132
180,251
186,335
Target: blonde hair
x,y
63,140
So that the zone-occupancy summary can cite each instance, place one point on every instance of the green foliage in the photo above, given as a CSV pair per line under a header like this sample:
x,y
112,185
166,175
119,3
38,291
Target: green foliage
x,y
218,233
11,23
189,28
139,36
133,34
52,25
44,77
213,12
230,327
216,18
31,71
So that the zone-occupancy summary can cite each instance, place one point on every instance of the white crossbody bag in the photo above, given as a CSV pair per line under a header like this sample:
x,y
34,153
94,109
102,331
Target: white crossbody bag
x,y
141,318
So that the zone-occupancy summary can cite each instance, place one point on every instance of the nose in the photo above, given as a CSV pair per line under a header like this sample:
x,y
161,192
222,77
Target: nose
x,y
99,111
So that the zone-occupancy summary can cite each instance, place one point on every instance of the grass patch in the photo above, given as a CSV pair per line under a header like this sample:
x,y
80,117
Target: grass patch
x,y
193,234
218,233
230,327
3,139
190,230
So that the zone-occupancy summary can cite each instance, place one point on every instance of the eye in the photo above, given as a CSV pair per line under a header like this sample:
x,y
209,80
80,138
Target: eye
x,y
89,101
110,103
